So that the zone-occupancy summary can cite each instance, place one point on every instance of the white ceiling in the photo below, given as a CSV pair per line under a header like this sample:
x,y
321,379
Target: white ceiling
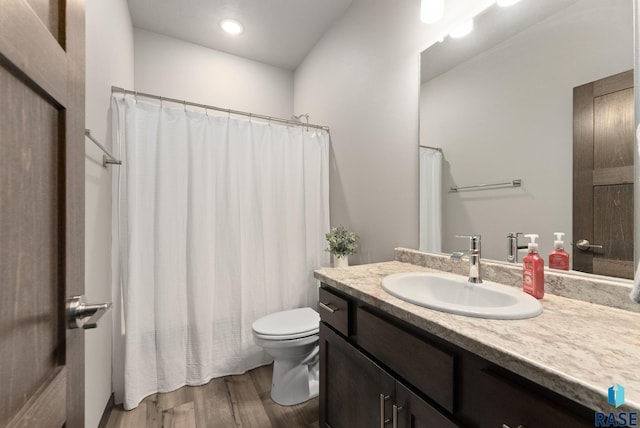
x,y
276,32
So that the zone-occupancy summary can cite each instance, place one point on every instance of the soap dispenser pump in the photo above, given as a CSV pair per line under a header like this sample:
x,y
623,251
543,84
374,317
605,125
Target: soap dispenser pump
x,y
559,258
533,270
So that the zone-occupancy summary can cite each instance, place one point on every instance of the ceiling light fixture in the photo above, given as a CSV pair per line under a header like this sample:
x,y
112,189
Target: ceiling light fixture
x,y
231,26
505,3
462,30
431,10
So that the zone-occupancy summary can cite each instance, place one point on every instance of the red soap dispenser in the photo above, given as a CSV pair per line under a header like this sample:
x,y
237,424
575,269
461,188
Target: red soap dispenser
x,y
559,258
533,270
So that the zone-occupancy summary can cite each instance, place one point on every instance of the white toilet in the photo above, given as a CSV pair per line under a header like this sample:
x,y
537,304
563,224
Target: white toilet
x,y
291,338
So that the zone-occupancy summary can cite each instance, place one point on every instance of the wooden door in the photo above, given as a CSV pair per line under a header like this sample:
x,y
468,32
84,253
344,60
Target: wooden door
x,y
41,211
603,141
351,385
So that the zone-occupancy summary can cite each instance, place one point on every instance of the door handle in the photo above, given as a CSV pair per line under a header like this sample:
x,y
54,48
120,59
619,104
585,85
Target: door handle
x,y
584,245
83,315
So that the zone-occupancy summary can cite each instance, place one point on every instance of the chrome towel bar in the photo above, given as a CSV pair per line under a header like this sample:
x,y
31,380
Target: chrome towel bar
x,y
513,183
107,158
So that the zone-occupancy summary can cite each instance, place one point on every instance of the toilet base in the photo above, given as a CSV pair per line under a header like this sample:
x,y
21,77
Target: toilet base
x,y
293,383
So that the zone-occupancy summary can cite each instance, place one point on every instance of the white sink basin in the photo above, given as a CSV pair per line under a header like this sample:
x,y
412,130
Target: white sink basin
x,y
452,293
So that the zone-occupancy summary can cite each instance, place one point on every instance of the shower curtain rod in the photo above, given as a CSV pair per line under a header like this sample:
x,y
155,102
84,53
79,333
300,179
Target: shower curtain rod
x,y
225,110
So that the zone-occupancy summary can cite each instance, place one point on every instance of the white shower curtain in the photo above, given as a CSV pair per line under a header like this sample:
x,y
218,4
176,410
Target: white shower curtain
x,y
220,221
430,200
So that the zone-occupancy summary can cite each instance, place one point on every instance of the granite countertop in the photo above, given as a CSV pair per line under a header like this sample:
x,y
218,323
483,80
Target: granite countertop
x,y
575,348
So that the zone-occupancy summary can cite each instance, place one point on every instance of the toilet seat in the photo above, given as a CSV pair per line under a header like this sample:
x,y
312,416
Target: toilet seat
x,y
288,336
287,325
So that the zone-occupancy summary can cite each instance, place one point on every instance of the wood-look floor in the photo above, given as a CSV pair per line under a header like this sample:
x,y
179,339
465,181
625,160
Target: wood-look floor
x,y
228,402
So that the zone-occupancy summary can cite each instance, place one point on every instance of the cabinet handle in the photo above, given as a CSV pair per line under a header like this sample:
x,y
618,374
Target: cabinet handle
x,y
327,307
383,398
395,415
507,426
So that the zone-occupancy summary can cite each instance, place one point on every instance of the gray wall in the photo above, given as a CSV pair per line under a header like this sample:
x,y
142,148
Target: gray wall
x,y
362,79
109,50
173,68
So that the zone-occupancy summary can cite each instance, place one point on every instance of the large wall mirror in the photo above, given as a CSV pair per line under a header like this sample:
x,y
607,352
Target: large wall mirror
x,y
498,106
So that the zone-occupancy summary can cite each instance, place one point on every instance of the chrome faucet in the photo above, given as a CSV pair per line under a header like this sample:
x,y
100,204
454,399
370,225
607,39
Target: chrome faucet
x,y
513,247
475,275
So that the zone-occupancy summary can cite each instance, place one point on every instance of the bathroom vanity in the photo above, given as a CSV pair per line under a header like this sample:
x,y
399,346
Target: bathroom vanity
x,y
387,362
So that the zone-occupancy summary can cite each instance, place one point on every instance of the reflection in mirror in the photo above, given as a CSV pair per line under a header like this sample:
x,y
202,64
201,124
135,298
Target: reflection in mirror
x,y
500,106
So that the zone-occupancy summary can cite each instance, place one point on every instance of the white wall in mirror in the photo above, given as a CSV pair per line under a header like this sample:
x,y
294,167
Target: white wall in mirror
x,y
507,114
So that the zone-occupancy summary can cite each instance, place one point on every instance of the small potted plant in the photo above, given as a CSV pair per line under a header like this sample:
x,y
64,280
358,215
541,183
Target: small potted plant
x,y
342,244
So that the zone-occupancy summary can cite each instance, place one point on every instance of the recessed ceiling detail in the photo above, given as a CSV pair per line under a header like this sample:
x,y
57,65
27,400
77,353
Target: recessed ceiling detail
x,y
276,32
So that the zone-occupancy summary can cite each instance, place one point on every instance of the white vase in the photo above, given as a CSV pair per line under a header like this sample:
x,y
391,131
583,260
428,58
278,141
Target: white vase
x,y
340,262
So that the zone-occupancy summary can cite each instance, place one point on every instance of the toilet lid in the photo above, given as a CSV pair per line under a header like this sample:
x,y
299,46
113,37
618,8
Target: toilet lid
x,y
289,323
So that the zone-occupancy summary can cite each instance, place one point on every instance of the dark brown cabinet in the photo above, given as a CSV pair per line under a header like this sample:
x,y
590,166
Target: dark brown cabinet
x,y
427,367
504,402
378,371
356,392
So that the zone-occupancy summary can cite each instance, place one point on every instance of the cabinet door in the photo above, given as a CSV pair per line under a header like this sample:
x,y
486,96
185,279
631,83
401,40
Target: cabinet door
x,y
351,386
504,402
422,364
413,412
